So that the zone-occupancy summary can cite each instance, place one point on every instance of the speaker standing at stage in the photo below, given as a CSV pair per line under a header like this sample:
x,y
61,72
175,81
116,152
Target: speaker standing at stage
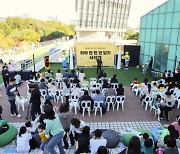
x,y
99,65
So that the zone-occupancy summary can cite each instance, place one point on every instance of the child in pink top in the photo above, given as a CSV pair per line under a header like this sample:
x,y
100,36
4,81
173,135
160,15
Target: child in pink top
x,y
176,124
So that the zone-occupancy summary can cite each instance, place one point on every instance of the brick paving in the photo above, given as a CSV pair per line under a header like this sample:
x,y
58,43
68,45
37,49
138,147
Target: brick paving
x,y
133,111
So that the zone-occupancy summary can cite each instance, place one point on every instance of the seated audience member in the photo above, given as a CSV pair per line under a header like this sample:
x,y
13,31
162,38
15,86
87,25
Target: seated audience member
x,y
134,146
170,145
97,141
110,91
105,84
24,141
114,79
59,75
66,116
175,134
30,128
176,124
44,138
76,91
168,105
66,74
120,90
3,128
147,146
18,79
49,74
101,74
134,82
102,150
73,74
98,96
84,137
66,90
32,80
76,80
76,127
77,72
85,81
42,84
38,76
81,75
1,109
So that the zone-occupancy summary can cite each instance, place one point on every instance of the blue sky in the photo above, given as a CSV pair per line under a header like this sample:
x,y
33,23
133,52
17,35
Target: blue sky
x,y
65,9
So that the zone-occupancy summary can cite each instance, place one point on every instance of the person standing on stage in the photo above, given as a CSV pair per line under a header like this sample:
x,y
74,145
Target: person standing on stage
x,y
99,65
5,75
150,64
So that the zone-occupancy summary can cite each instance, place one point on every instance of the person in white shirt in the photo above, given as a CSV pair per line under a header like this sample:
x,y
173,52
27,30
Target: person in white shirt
x,y
97,141
59,75
18,79
76,91
81,75
23,140
76,127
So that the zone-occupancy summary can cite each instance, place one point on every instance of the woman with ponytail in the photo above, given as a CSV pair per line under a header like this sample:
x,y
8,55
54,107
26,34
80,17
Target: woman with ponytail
x,y
176,124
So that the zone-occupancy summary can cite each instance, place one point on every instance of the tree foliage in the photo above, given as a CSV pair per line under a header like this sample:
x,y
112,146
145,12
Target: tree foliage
x,y
131,35
16,30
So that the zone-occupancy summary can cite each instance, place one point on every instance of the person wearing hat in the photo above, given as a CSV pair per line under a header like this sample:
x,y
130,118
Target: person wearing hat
x,y
35,100
11,92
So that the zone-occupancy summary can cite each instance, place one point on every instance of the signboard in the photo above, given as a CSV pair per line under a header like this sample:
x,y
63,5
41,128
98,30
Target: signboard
x,y
88,53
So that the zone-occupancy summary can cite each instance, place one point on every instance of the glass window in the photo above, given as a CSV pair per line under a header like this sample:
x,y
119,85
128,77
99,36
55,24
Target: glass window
x,y
146,58
141,59
176,6
166,37
170,65
153,35
149,21
142,35
179,38
146,49
163,9
161,21
148,35
176,20
152,49
177,53
168,20
156,11
142,47
174,36
155,21
160,36
172,52
170,6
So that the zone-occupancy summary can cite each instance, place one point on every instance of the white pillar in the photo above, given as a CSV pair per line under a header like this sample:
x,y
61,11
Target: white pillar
x,y
119,60
71,65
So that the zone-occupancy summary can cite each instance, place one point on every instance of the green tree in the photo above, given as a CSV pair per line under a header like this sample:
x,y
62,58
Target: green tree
x,y
131,35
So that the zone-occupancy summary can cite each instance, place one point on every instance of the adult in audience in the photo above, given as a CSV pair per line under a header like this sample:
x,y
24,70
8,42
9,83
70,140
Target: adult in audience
x,y
66,90
35,100
49,74
168,105
114,79
11,92
170,145
110,91
120,90
76,91
86,97
76,127
82,144
105,84
85,81
101,74
32,79
76,80
97,141
98,96
66,116
102,150
59,75
134,146
176,124
175,134
5,75
66,74
81,75
73,74
42,84
53,127
18,79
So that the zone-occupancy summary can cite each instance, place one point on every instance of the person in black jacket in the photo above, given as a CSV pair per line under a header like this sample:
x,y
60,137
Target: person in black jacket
x,y
35,100
5,75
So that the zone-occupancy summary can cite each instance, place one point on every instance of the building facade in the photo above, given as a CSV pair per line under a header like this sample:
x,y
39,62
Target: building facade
x,y
160,36
101,19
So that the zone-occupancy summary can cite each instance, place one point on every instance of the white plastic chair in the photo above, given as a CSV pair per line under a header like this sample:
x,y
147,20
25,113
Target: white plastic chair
x,y
20,102
93,81
115,85
85,86
120,101
98,86
74,97
110,100
146,100
104,91
73,104
59,95
98,105
178,102
86,105
43,93
52,92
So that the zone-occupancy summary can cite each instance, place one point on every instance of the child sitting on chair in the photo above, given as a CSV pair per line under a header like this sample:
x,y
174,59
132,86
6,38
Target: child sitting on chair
x,y
134,82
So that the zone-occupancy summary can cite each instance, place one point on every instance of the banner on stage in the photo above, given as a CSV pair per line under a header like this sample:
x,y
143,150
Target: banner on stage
x,y
88,53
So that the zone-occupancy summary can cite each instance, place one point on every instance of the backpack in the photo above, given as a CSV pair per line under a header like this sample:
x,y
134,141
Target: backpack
x,y
159,151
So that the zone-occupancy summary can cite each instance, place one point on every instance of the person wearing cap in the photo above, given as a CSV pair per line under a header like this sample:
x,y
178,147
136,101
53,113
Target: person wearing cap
x,y
35,100
11,92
